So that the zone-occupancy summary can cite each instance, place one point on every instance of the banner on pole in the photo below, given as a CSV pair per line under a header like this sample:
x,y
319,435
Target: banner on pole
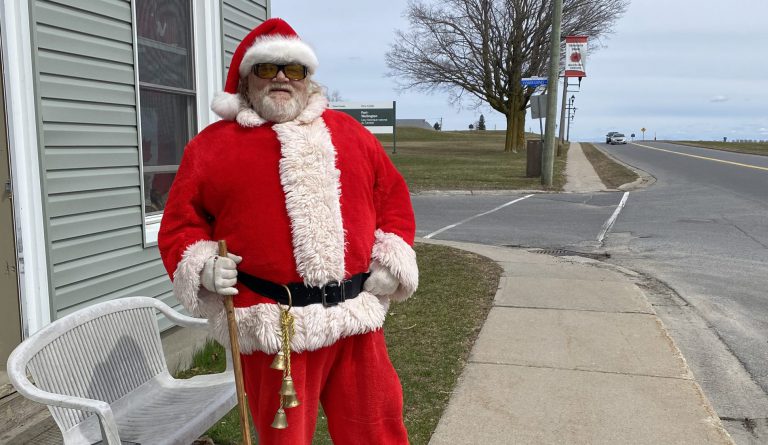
x,y
575,56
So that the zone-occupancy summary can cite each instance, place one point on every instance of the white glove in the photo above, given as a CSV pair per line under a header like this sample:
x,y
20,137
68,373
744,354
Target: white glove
x,y
381,282
219,274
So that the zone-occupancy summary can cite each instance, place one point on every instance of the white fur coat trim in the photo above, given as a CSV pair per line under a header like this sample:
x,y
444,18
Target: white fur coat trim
x,y
312,187
394,253
278,49
186,281
233,107
315,326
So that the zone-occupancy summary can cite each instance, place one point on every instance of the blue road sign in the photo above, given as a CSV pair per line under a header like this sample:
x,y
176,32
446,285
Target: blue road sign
x,y
533,81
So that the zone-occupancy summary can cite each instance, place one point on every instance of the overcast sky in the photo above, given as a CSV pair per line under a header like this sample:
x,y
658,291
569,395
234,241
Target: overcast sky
x,y
683,69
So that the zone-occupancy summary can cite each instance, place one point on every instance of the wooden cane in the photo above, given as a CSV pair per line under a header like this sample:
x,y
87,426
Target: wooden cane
x,y
235,346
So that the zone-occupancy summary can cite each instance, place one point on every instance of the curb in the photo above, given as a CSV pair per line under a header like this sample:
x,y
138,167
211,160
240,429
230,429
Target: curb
x,y
644,181
481,192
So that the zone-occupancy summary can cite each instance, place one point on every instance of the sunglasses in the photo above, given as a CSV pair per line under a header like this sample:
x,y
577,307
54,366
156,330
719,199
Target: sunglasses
x,y
293,71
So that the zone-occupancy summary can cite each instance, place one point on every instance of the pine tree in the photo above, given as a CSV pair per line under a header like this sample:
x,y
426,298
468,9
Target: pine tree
x,y
481,123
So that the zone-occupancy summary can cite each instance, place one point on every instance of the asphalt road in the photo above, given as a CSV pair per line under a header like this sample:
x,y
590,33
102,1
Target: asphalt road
x,y
701,230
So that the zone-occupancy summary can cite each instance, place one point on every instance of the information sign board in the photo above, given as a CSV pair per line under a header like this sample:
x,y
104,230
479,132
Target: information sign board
x,y
377,117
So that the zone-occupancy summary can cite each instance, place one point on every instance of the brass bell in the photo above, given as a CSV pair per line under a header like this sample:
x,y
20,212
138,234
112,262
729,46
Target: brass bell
x,y
281,421
279,361
291,401
287,389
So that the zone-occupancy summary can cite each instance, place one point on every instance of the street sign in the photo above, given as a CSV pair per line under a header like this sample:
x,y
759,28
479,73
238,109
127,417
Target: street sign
x,y
533,81
539,106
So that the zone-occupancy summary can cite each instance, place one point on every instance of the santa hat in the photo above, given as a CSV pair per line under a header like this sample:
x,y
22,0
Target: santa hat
x,y
273,41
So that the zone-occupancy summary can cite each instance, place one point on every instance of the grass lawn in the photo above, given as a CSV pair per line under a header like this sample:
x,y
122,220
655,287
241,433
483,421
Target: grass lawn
x,y
755,148
610,172
463,160
429,338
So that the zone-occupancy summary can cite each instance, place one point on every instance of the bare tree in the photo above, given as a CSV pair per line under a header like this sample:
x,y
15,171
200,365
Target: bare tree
x,y
335,96
481,49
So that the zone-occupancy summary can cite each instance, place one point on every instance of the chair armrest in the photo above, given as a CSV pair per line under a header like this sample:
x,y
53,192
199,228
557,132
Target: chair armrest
x,y
102,409
179,318
185,320
24,386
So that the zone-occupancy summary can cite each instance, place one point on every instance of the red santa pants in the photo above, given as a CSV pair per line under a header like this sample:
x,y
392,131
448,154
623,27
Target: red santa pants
x,y
353,379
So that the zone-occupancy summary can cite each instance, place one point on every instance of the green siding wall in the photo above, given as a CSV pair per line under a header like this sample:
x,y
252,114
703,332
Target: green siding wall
x,y
89,149
85,82
239,17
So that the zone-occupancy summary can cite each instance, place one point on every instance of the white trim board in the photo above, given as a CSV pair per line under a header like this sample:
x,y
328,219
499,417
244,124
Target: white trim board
x,y
25,166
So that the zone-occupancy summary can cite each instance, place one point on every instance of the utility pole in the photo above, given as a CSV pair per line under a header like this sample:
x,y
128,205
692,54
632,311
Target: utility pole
x,y
548,155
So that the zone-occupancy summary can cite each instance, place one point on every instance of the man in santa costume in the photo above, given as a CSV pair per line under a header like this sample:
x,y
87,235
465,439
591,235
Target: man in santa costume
x,y
310,204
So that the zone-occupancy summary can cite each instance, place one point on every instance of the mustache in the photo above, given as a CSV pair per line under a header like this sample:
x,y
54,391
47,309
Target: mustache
x,y
288,88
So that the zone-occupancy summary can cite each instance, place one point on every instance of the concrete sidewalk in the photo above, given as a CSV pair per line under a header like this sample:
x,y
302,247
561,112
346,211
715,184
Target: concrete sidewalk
x,y
580,176
573,353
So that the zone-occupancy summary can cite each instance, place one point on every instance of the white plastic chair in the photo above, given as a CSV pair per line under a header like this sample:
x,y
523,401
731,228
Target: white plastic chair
x,y
107,359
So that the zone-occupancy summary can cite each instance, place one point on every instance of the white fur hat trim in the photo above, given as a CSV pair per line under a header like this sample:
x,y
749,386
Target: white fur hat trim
x,y
278,49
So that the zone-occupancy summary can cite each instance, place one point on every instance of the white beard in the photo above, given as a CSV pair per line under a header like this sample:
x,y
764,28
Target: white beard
x,y
279,111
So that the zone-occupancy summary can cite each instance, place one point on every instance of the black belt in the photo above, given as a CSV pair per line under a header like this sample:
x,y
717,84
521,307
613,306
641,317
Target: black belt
x,y
331,294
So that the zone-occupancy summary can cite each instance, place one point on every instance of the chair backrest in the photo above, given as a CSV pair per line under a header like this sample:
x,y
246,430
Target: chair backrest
x,y
102,352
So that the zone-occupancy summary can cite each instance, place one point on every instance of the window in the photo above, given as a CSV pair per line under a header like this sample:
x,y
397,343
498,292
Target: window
x,y
167,93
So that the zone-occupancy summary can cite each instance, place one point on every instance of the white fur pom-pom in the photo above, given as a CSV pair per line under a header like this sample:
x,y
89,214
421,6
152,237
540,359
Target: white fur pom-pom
x,y
226,105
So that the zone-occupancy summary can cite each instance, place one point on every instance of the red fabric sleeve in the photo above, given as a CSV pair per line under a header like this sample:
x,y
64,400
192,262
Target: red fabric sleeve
x,y
185,221
394,211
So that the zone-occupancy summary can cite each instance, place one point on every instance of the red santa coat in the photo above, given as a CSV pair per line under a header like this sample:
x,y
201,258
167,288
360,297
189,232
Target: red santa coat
x,y
315,199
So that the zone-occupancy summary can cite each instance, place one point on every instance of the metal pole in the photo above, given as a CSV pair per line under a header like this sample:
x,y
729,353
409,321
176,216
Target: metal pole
x,y
394,127
570,109
562,112
541,130
548,156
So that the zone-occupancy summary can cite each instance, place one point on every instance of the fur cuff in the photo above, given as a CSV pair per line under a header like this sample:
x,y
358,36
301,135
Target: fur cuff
x,y
186,281
395,254
316,326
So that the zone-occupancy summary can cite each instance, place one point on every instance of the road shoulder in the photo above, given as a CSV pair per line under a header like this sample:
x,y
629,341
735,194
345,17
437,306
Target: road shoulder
x,y
644,179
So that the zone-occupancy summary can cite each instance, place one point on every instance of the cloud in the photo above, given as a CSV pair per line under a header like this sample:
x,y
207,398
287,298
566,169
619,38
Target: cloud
x,y
719,99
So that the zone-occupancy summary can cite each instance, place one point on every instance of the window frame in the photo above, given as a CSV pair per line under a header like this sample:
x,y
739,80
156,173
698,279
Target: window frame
x,y
207,58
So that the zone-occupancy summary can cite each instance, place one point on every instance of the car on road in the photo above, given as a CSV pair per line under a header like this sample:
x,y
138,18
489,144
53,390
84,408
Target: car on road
x,y
617,138
608,136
